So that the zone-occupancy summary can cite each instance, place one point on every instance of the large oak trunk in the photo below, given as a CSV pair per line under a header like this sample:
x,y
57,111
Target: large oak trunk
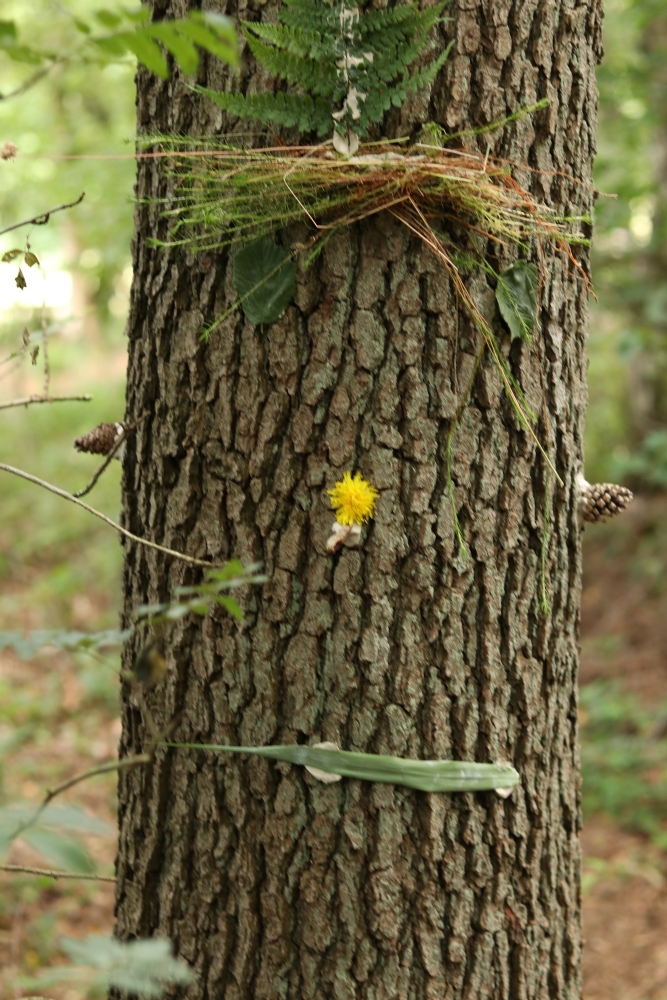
x,y
269,883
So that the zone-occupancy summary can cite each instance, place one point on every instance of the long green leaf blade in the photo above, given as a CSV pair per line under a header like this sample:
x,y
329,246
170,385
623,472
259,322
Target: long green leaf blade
x,y
424,775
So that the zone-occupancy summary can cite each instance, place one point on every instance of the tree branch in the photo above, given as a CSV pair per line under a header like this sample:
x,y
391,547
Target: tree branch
x,y
103,517
30,82
41,220
91,772
29,400
105,464
56,874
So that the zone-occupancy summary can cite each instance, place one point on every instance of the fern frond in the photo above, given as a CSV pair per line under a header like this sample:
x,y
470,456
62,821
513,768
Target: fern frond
x,y
307,73
354,67
296,41
425,76
406,19
318,16
280,109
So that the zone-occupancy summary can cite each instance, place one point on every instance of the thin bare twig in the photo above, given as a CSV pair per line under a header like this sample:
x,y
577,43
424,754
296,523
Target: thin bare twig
x,y
29,400
107,520
158,736
105,464
41,220
30,82
24,869
91,772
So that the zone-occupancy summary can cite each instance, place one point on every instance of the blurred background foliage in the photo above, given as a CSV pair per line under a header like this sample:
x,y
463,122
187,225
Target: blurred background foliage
x,y
61,569
628,346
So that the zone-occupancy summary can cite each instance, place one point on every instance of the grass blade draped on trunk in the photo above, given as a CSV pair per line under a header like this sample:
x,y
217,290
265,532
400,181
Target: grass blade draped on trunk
x,y
424,775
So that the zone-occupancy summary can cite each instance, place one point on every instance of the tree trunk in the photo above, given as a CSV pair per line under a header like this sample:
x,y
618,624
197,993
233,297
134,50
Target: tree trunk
x,y
271,884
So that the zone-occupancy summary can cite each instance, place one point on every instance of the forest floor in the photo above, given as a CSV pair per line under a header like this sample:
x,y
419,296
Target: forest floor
x,y
624,647
59,713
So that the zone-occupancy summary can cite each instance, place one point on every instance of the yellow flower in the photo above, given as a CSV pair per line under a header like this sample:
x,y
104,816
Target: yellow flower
x,y
353,499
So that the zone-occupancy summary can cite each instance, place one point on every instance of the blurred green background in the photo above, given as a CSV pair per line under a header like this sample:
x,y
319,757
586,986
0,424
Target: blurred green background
x,y
61,569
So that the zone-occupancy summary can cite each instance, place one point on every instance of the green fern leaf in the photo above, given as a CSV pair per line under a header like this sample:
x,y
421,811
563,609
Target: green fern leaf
x,y
307,73
354,67
297,42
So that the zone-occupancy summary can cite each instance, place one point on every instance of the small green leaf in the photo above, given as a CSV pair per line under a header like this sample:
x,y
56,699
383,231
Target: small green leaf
x,y
8,33
516,295
111,44
81,26
20,279
213,32
144,967
146,50
181,48
10,255
30,258
230,605
12,817
108,18
265,279
72,818
61,851
23,53
28,646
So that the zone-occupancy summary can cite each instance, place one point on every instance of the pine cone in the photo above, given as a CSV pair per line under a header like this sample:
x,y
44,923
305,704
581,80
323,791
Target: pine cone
x,y
100,440
600,500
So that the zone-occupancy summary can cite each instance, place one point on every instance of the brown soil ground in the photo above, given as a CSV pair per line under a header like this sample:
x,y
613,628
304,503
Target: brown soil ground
x,y
624,636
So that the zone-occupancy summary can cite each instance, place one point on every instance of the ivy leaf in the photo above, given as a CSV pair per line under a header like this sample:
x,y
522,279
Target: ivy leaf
x,y
30,258
10,255
516,295
20,280
265,279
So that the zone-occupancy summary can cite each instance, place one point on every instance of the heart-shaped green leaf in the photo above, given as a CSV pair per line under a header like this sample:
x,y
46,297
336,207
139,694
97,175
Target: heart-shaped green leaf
x,y
265,279
516,295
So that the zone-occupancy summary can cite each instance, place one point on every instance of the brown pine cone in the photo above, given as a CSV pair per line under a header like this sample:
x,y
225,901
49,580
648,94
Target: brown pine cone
x,y
600,500
100,440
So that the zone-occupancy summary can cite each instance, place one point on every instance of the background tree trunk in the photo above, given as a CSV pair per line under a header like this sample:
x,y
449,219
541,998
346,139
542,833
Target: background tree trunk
x,y
270,884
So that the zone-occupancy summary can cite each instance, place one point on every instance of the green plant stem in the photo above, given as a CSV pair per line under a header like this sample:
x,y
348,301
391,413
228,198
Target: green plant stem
x,y
499,123
107,520
24,869
544,547
450,442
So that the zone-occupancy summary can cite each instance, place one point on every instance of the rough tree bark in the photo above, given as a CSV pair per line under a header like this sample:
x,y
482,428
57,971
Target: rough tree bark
x,y
270,884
